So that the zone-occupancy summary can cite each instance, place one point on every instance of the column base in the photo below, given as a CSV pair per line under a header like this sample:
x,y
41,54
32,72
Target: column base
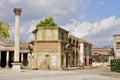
x,y
7,67
16,66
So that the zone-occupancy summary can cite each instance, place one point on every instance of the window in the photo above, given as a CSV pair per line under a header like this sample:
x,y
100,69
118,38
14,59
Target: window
x,y
47,55
62,36
69,60
73,41
62,62
69,40
118,45
76,42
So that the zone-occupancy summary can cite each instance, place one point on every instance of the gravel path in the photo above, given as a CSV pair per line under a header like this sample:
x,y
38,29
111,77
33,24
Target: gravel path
x,y
101,73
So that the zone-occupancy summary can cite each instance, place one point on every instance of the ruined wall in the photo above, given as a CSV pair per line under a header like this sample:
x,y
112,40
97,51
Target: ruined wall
x,y
45,34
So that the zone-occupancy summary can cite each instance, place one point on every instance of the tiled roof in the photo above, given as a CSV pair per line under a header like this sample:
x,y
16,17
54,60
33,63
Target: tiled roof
x,y
8,43
116,35
84,41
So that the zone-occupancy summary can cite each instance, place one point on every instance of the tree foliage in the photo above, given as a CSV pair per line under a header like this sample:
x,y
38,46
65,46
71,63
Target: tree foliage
x,y
4,30
47,22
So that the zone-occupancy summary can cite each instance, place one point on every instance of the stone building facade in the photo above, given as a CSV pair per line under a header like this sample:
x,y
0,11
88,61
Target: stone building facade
x,y
117,45
54,48
49,48
102,55
85,52
74,50
7,53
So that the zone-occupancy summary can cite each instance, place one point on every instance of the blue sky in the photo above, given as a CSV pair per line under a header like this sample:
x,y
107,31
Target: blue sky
x,y
93,20
100,9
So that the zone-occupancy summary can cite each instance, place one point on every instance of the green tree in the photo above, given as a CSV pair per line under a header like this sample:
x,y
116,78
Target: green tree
x,y
47,22
4,30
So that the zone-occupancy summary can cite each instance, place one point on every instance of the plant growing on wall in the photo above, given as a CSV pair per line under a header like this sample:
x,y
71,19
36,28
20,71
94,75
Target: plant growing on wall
x,y
4,30
47,22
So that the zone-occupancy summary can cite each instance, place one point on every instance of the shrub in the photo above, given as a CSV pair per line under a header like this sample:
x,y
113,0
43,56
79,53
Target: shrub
x,y
115,65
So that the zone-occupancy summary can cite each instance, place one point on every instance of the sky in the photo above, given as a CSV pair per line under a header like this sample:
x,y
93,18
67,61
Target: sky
x,y
93,20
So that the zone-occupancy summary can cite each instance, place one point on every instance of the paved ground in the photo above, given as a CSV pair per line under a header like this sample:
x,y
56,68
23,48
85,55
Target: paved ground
x,y
101,73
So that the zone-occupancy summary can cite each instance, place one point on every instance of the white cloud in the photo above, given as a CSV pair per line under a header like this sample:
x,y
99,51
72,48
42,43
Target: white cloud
x,y
13,1
7,3
1,4
97,32
64,10
25,30
51,7
104,24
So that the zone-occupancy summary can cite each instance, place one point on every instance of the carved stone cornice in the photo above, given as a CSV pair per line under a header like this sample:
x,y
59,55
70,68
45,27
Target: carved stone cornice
x,y
17,11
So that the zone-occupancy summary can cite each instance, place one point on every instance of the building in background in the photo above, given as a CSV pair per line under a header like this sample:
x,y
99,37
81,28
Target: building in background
x,y
74,50
102,55
117,45
49,48
7,53
54,48
85,52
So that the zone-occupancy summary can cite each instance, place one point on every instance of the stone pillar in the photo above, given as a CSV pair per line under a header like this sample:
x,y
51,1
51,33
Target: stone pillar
x,y
29,60
7,59
88,61
22,57
82,54
17,64
64,62
75,59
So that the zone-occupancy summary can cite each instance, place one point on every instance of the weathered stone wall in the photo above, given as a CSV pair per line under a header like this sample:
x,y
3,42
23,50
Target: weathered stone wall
x,y
48,60
48,47
47,34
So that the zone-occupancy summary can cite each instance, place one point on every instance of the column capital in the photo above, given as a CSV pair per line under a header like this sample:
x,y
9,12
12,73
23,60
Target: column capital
x,y
17,11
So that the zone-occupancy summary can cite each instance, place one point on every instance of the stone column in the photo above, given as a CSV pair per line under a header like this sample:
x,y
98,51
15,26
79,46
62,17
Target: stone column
x,y
29,60
64,62
88,61
75,59
7,59
17,64
82,54
21,57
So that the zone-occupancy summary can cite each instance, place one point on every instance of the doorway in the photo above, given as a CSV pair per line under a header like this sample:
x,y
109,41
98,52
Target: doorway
x,y
3,59
67,60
